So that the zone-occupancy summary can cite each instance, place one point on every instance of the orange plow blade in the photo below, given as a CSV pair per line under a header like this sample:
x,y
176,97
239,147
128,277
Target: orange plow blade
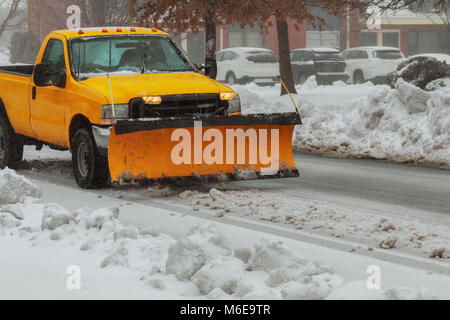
x,y
236,147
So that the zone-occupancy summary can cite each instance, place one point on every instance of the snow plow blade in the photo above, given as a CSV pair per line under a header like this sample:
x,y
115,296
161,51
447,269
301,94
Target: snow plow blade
x,y
241,147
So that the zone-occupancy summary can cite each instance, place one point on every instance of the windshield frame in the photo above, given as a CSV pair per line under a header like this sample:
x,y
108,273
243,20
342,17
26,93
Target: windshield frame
x,y
179,50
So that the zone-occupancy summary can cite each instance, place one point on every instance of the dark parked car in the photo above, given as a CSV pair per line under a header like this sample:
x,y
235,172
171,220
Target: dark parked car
x,y
325,63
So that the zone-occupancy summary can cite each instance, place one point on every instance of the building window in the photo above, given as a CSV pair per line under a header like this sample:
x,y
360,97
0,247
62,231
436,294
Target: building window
x,y
317,39
391,39
369,39
386,38
428,42
245,37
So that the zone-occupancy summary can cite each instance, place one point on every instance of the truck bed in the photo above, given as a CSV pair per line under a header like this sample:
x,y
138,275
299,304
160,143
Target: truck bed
x,y
20,70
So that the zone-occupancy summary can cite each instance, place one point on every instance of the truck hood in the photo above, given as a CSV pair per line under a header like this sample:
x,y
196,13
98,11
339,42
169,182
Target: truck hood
x,y
127,87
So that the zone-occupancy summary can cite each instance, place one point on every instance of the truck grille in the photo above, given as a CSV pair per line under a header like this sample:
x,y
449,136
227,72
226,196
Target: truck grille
x,y
330,66
179,105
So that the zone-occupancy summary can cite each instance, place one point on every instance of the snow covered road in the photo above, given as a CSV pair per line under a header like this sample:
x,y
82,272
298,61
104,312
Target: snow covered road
x,y
398,270
316,215
378,184
412,198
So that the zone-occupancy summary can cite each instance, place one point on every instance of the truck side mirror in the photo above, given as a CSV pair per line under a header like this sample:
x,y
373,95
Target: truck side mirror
x,y
41,75
209,68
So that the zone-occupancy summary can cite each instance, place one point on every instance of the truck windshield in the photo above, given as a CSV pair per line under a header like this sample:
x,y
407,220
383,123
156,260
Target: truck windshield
x,y
98,56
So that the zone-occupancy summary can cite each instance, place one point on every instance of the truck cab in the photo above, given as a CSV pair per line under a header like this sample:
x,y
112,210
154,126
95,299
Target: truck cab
x,y
85,80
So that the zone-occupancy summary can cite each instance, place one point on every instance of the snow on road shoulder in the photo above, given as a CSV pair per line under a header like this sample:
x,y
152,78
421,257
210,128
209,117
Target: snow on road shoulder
x,y
291,209
405,124
200,265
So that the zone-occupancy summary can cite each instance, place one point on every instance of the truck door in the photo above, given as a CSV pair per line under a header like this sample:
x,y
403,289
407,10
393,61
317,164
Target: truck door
x,y
48,102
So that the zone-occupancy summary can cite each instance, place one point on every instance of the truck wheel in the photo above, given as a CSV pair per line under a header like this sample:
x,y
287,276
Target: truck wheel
x,y
358,77
300,78
11,146
90,169
231,79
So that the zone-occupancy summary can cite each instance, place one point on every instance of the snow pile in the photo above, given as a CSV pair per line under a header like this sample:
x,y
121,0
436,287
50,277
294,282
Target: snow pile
x,y
15,188
389,233
224,272
270,269
253,103
190,253
404,124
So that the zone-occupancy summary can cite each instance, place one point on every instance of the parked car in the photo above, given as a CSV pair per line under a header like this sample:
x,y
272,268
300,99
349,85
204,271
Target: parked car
x,y
437,56
325,63
244,65
372,63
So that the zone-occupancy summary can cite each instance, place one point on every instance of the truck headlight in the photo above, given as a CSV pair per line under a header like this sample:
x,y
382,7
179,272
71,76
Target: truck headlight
x,y
234,106
228,96
121,111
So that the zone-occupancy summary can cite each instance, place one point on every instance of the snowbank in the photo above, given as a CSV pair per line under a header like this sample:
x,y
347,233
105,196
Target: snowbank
x,y
15,188
405,124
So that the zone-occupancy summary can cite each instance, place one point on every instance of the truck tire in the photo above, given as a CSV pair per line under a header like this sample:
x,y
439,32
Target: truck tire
x,y
231,79
11,146
90,169
300,78
358,77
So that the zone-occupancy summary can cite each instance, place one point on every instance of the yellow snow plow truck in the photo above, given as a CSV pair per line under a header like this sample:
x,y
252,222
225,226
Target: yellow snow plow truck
x,y
130,105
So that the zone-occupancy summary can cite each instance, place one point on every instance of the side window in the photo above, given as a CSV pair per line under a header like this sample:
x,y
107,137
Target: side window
x,y
234,56
353,55
307,56
226,56
345,55
54,58
219,57
363,55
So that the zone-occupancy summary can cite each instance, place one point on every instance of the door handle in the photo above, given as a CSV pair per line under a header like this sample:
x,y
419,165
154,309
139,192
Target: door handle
x,y
33,93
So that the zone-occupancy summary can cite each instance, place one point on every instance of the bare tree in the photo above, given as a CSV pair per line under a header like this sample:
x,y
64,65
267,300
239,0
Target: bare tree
x,y
438,6
15,17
